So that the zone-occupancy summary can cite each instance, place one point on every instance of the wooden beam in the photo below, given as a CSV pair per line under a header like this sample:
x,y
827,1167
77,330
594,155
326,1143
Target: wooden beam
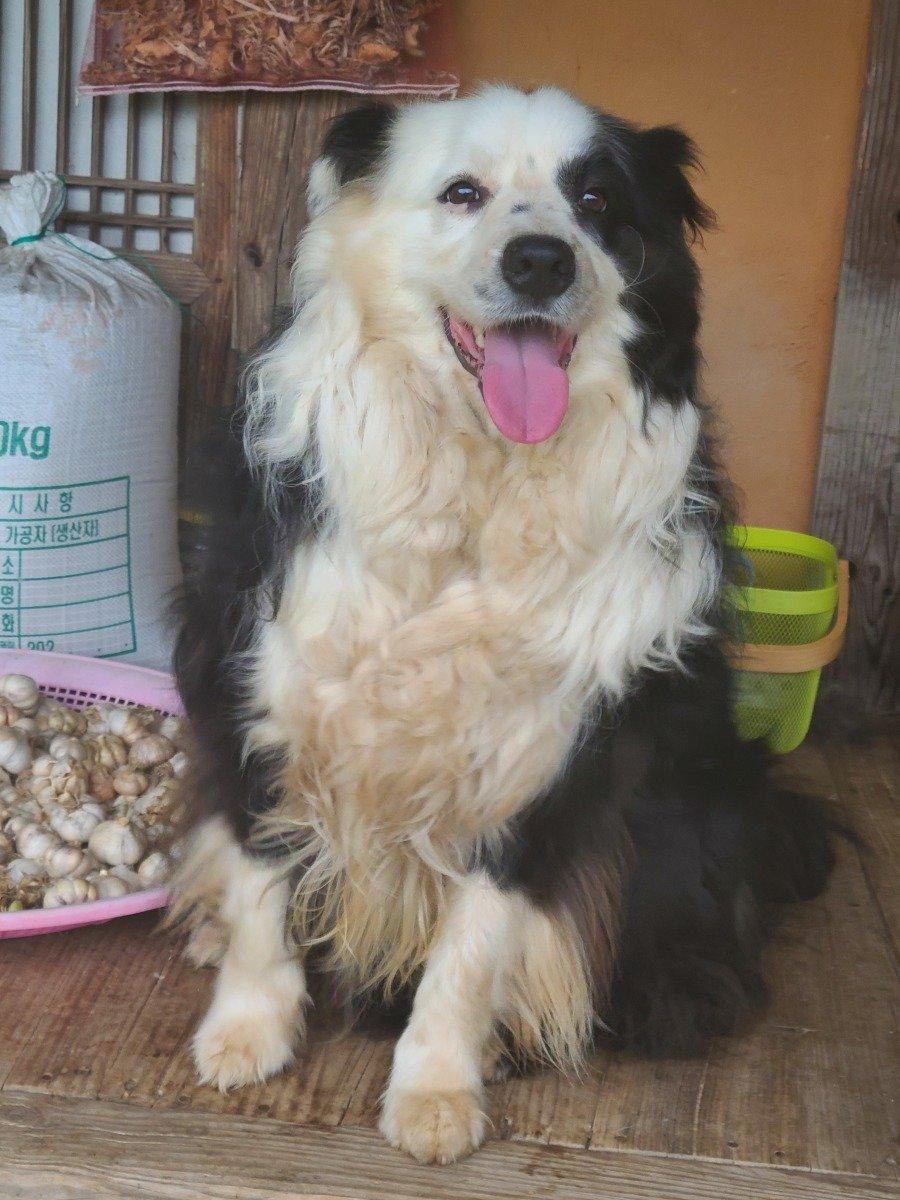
x,y
57,1148
127,221
178,273
857,502
106,184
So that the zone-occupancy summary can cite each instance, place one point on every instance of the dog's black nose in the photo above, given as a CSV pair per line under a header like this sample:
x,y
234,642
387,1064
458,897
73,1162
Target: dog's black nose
x,y
538,266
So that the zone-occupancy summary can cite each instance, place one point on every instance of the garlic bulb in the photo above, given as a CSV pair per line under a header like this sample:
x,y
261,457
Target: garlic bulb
x,y
95,719
63,745
44,793
41,767
29,809
68,861
77,825
33,841
128,877
100,785
23,868
117,843
109,886
150,751
53,717
10,795
170,727
69,891
9,714
109,751
58,777
127,723
154,869
129,782
15,750
23,781
15,823
20,690
157,804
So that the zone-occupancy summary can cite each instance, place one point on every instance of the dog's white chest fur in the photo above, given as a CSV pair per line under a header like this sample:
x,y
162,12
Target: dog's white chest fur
x,y
434,656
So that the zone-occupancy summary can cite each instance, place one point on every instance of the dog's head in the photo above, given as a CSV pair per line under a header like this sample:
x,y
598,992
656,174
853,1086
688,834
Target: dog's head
x,y
527,227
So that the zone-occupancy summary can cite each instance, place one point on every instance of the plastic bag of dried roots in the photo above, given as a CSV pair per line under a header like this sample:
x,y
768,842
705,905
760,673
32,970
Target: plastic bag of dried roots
x,y
371,46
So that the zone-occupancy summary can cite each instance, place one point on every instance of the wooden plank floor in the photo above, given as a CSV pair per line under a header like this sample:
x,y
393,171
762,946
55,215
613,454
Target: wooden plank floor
x,y
98,1096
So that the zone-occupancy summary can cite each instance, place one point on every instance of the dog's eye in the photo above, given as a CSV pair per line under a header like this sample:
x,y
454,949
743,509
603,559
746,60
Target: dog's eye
x,y
462,191
592,201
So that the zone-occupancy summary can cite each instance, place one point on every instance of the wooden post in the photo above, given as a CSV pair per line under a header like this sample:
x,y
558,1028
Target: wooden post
x,y
209,340
282,135
857,499
249,211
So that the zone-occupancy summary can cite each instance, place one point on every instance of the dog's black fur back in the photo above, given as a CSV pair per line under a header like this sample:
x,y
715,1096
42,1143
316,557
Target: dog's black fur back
x,y
232,584
662,794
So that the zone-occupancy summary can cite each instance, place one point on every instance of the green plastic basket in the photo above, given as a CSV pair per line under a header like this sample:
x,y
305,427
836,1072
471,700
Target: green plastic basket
x,y
791,593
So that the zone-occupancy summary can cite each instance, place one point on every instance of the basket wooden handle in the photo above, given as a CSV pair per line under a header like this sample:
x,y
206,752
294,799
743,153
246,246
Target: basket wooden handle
x,y
810,656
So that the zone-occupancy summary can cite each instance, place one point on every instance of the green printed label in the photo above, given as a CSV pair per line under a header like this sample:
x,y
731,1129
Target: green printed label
x,y
65,568
24,441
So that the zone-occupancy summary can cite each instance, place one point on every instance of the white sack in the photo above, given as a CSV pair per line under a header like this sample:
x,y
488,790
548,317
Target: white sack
x,y
89,357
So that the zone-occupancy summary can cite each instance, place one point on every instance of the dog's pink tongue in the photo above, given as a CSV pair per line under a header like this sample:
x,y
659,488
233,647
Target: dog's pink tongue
x,y
525,389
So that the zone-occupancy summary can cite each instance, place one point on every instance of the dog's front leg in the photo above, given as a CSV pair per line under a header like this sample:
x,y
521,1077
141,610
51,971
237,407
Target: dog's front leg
x,y
434,1103
256,1015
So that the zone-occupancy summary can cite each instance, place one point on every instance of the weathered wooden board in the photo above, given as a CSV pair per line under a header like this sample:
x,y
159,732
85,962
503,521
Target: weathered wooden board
x,y
95,984
856,504
868,777
59,1149
282,135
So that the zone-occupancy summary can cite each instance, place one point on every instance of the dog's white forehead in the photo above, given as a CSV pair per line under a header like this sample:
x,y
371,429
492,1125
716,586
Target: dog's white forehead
x,y
499,136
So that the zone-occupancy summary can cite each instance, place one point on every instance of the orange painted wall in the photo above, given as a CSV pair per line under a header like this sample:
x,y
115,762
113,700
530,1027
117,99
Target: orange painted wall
x,y
770,91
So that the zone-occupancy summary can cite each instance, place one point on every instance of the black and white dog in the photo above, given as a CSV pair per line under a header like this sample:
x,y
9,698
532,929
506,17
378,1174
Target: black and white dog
x,y
455,661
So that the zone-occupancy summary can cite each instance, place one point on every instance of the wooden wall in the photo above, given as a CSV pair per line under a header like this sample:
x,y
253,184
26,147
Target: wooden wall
x,y
769,89
771,93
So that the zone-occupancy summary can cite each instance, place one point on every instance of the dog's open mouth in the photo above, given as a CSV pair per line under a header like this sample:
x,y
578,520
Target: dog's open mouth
x,y
521,369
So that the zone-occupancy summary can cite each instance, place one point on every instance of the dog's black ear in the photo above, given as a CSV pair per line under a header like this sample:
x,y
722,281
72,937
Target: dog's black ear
x,y
352,148
358,138
665,155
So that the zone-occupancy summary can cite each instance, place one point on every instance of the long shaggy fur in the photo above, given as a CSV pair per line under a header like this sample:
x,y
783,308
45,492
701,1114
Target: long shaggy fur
x,y
415,651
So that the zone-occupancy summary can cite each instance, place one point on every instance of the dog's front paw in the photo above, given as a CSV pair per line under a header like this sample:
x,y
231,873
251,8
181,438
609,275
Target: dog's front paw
x,y
434,1127
231,1051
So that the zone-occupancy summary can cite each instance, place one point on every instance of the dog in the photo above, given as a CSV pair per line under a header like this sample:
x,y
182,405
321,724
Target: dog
x,y
455,656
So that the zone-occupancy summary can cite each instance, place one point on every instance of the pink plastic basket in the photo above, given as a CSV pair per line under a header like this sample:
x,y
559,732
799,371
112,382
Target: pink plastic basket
x,y
79,682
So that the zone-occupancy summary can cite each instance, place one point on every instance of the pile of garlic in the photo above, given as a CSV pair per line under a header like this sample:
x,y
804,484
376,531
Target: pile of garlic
x,y
88,799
